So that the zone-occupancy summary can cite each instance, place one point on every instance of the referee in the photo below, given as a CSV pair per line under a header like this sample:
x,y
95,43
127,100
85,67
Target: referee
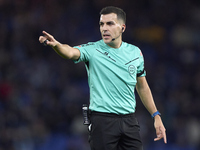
x,y
115,68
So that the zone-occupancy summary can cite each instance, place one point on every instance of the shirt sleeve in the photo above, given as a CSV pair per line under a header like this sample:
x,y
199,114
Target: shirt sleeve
x,y
85,52
140,69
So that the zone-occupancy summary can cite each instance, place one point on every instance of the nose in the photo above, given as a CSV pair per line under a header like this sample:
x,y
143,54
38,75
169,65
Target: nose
x,y
104,28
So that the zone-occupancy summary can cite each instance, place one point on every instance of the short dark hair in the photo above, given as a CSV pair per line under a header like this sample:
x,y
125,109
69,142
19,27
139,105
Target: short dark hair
x,y
118,11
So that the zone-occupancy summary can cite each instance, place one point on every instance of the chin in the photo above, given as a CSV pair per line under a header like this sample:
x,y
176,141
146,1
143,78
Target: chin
x,y
107,41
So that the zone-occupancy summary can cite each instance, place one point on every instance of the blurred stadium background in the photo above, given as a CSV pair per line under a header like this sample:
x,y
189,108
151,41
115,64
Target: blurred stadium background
x,y
41,94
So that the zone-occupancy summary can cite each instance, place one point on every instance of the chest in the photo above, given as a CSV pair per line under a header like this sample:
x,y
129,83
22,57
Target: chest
x,y
120,64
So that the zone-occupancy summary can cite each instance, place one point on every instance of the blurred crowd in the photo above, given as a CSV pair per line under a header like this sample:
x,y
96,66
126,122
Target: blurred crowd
x,y
41,94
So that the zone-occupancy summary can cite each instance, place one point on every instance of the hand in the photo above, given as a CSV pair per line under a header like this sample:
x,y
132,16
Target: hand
x,y
50,39
160,129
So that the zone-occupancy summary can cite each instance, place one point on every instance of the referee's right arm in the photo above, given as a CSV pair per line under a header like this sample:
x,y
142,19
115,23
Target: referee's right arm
x,y
63,50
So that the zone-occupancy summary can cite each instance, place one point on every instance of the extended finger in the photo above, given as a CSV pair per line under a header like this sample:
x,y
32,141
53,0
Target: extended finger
x,y
164,136
161,134
157,139
47,34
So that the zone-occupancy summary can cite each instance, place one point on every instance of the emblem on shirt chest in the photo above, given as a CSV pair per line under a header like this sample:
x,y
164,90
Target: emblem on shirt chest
x,y
131,69
106,54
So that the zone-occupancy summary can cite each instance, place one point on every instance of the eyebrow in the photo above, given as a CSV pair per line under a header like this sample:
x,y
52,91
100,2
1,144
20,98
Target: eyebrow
x,y
109,22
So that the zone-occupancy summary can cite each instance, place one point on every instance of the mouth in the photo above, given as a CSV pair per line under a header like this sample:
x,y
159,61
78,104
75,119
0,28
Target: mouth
x,y
106,35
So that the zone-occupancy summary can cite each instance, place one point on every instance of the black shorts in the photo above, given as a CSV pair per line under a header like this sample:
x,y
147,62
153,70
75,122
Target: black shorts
x,y
114,132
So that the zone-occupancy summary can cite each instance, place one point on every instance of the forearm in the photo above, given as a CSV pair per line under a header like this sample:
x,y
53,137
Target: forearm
x,y
146,97
64,51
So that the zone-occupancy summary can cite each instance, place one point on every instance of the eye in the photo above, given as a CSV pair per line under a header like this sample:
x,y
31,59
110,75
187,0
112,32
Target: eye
x,y
101,23
110,23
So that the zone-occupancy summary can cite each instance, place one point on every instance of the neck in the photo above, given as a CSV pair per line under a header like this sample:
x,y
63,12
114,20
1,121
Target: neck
x,y
116,43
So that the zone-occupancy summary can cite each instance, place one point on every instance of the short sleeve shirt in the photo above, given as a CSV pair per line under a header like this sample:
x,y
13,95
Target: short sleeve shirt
x,y
112,75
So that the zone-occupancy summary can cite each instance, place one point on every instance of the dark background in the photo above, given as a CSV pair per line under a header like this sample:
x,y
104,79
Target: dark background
x,y
41,94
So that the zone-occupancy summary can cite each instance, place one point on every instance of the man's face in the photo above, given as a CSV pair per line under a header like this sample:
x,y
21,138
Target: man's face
x,y
110,27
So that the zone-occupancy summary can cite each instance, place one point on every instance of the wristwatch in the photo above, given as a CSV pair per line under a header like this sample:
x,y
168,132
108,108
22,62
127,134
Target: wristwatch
x,y
156,113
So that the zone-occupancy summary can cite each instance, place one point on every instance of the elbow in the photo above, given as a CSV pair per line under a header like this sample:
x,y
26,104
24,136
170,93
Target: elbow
x,y
71,56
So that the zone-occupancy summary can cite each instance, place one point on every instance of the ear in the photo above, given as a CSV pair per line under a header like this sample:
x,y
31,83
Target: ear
x,y
123,28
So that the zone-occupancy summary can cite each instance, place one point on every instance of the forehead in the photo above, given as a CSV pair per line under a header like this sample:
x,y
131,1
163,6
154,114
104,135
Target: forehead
x,y
108,17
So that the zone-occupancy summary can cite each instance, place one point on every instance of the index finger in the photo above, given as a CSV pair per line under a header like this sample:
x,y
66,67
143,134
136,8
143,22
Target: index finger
x,y
164,135
47,34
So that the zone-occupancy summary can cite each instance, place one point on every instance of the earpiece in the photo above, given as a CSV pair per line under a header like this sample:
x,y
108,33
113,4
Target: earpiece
x,y
122,29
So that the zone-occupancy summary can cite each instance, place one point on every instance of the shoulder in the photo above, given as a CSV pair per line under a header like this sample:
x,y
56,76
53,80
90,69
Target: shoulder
x,y
89,44
131,47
